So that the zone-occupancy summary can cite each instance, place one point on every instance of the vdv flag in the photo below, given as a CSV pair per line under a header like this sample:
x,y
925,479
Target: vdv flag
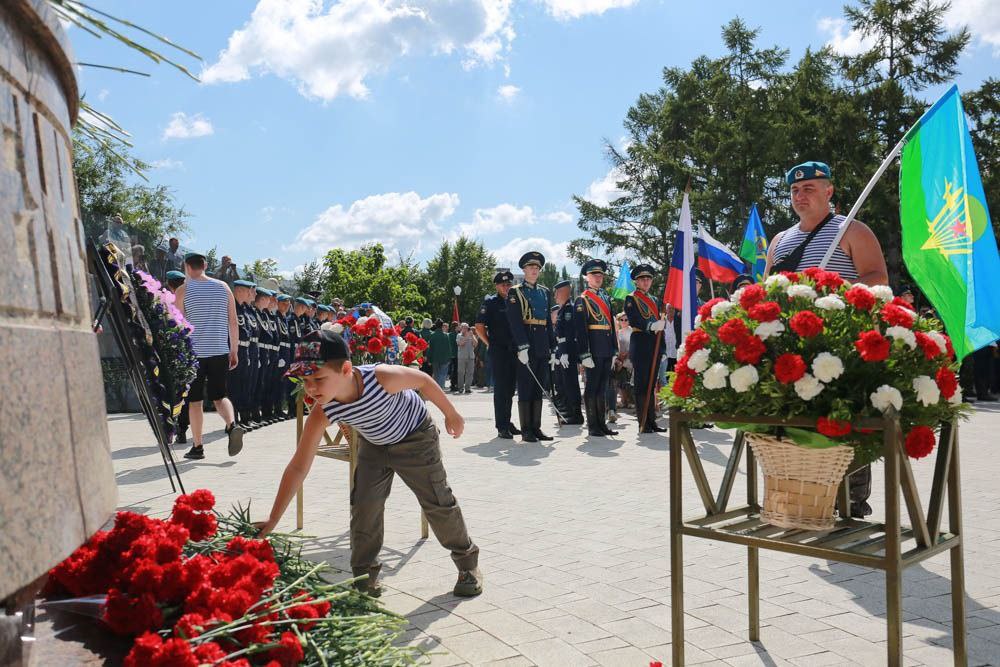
x,y
717,261
948,242
753,251
624,285
680,291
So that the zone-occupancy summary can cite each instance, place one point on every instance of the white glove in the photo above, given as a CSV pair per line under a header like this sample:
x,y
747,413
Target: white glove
x,y
522,356
587,361
658,325
552,361
281,363
564,361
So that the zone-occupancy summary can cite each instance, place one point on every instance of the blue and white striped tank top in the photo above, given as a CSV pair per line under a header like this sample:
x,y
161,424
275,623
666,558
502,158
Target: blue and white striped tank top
x,y
380,417
206,306
815,251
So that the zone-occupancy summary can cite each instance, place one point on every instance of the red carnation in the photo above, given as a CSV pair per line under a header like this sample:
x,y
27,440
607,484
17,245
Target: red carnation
x,y
806,324
791,275
872,346
920,442
948,346
131,614
928,345
374,346
946,381
789,368
210,653
750,350
144,650
696,340
409,356
860,298
706,310
833,428
732,332
681,367
766,311
288,652
897,316
421,344
752,295
683,384
411,337
813,273
830,280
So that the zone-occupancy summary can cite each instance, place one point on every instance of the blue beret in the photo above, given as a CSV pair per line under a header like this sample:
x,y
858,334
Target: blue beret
x,y
244,283
642,271
302,300
192,255
284,297
807,171
175,275
532,257
561,284
311,303
594,266
264,292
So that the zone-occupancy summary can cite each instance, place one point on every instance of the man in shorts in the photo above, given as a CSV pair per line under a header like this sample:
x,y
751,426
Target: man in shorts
x,y
209,306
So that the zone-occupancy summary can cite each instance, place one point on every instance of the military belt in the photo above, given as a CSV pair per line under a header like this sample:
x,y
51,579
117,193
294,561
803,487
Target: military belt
x,y
285,344
600,327
254,339
540,323
244,343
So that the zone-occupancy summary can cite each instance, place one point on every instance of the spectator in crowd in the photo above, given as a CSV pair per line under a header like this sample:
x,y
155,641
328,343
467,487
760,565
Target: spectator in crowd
x,y
453,368
139,258
439,350
426,329
175,262
621,370
209,306
407,327
227,272
465,341
158,266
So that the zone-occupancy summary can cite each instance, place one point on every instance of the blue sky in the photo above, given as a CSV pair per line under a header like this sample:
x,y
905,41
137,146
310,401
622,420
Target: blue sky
x,y
323,124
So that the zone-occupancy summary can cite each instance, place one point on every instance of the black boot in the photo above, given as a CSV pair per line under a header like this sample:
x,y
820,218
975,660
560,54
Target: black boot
x,y
524,416
577,415
536,418
602,416
513,429
593,427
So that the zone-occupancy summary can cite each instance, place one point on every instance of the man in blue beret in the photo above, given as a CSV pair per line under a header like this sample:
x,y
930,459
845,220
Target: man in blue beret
x,y
286,351
597,343
493,328
242,379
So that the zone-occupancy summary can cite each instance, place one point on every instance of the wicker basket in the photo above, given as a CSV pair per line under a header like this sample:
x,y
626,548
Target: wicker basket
x,y
800,484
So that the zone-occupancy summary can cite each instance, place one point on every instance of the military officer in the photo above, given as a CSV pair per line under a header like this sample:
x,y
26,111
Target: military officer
x,y
267,347
567,376
493,329
301,312
596,343
244,378
528,306
643,313
286,350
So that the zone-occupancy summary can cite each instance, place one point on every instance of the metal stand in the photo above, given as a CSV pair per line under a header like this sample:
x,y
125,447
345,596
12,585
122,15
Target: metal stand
x,y
335,448
883,546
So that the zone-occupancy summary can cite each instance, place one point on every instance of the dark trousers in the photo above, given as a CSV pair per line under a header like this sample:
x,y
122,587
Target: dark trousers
x,y
502,361
417,461
453,373
641,356
982,361
597,378
527,386
568,384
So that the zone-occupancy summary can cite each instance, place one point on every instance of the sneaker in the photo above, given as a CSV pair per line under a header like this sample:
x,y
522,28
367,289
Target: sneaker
x,y
469,584
235,433
196,453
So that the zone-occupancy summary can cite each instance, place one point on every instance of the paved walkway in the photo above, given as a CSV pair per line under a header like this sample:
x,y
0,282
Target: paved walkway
x,y
574,540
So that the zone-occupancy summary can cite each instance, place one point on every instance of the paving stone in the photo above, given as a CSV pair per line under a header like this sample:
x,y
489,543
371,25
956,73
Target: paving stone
x,y
553,652
478,647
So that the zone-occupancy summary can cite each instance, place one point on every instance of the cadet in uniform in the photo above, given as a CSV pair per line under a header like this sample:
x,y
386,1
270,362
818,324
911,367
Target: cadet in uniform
x,y
528,306
643,313
267,346
596,343
286,350
567,376
301,313
493,329
244,377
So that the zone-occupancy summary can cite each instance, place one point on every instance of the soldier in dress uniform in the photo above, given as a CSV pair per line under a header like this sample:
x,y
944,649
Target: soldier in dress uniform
x,y
567,376
243,378
267,347
493,329
596,343
295,335
301,312
643,313
286,350
528,307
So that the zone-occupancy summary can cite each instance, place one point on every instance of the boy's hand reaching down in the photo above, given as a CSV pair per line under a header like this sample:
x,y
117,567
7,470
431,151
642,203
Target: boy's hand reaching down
x,y
454,423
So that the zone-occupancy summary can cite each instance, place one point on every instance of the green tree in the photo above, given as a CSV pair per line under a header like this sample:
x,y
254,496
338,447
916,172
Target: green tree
x,y
311,278
361,275
549,275
261,269
465,263
983,109
910,50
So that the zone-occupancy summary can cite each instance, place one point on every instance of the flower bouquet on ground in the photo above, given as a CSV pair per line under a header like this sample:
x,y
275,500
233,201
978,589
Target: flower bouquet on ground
x,y
812,345
197,589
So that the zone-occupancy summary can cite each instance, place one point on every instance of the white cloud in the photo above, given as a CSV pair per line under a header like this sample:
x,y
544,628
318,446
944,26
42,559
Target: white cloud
x,y
397,220
331,51
508,92
558,217
556,252
496,219
980,16
605,190
182,126
565,10
843,40
166,163
103,94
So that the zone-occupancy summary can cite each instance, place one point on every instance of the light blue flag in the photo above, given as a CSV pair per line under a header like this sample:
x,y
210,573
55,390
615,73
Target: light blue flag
x,y
753,251
624,286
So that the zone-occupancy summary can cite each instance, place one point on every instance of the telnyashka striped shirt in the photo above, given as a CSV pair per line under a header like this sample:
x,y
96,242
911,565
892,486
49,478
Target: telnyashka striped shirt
x,y
206,306
814,252
380,417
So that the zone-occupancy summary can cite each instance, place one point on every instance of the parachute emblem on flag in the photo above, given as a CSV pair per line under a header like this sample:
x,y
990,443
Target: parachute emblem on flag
x,y
951,230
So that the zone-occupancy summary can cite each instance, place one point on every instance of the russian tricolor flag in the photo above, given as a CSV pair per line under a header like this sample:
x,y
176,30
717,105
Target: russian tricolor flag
x,y
680,280
716,261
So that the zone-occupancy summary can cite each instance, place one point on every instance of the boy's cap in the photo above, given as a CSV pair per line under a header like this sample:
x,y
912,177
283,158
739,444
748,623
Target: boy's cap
x,y
317,349
175,275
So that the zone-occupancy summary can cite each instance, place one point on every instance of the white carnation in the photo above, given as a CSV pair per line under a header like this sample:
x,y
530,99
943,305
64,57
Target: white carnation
x,y
698,360
743,378
808,387
722,307
939,339
956,398
327,326
827,367
777,279
697,320
830,302
765,330
680,351
801,292
337,327
886,396
863,286
927,390
882,292
735,296
362,320
715,377
903,334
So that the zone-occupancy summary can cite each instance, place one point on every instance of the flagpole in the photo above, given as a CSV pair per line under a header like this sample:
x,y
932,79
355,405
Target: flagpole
x,y
893,154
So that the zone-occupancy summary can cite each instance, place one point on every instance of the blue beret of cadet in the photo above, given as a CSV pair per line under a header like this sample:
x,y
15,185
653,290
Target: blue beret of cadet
x,y
807,171
503,277
532,257
243,283
192,255
284,297
561,284
594,266
302,300
264,292
311,303
641,271
175,275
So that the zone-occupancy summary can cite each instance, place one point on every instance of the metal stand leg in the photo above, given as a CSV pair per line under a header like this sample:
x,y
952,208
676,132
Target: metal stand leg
x,y
957,566
753,591
894,567
676,548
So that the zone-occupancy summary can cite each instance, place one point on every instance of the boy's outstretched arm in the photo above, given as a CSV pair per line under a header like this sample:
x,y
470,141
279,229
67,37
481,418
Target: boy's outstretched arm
x,y
297,468
395,379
